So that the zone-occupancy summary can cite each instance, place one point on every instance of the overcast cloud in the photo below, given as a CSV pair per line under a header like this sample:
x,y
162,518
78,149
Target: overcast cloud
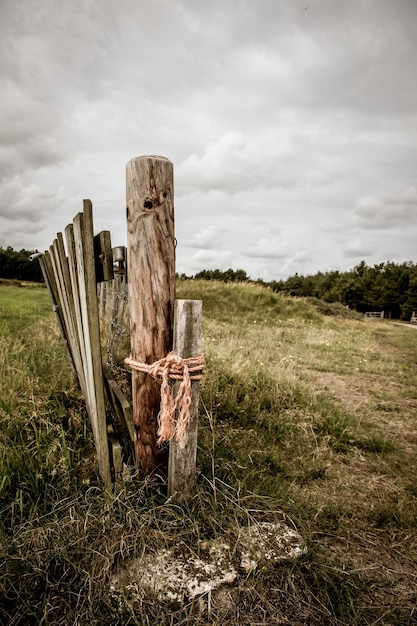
x,y
292,125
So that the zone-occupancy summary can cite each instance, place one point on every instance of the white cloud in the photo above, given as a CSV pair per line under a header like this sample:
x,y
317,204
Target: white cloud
x,y
205,239
204,259
388,211
31,202
269,248
234,163
358,249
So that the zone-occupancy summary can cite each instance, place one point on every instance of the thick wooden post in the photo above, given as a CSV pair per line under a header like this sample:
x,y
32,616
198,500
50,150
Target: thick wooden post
x,y
151,281
187,343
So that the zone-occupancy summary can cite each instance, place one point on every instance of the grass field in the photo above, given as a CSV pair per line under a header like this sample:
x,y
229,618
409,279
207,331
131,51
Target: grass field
x,y
304,417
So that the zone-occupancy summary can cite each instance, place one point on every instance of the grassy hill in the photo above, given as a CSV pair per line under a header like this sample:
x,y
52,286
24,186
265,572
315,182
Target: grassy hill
x,y
305,417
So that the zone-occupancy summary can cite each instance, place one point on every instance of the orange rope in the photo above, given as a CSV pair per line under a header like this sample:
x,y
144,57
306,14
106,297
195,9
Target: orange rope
x,y
173,367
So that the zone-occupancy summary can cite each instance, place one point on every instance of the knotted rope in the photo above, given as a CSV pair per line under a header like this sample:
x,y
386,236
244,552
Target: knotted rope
x,y
173,367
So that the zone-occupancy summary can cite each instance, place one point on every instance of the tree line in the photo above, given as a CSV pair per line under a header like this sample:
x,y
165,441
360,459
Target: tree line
x,y
389,287
15,265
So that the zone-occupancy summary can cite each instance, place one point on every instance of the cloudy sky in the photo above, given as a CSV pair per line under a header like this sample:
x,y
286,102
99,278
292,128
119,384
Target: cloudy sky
x,y
292,125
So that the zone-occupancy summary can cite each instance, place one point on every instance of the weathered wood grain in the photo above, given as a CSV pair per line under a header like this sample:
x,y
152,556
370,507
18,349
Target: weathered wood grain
x,y
103,256
84,251
78,325
59,271
48,275
187,343
151,272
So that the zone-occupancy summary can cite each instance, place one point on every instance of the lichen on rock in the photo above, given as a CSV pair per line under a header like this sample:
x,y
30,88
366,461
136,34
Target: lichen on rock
x,y
178,574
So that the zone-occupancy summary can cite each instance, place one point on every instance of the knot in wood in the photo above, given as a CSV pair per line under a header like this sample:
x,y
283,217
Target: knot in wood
x,y
154,199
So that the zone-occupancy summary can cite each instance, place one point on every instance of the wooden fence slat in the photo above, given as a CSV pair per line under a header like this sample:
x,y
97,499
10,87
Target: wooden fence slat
x,y
187,343
78,325
63,261
53,256
84,248
51,275
63,302
69,302
103,256
83,318
46,267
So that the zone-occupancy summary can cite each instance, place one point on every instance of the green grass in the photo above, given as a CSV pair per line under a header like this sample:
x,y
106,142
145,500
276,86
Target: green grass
x,y
306,414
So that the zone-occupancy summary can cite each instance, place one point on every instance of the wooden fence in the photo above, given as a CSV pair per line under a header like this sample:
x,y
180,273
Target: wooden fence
x,y
375,314
82,273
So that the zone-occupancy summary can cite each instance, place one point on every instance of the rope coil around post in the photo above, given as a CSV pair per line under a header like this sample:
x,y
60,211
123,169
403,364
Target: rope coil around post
x,y
173,367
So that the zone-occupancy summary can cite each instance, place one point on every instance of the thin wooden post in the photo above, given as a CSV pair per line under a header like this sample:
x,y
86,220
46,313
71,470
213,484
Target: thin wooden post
x,y
151,272
85,267
187,343
103,256
49,279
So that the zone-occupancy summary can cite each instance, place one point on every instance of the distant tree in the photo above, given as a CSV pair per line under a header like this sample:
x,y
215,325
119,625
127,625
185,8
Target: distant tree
x,y
410,297
16,265
395,286
229,276
352,294
277,285
294,285
237,276
327,286
361,268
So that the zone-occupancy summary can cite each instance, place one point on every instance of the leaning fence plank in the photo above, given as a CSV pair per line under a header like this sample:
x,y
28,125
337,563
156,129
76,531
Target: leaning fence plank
x,y
72,262
68,297
53,257
187,343
46,267
83,317
52,281
64,305
63,261
84,247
